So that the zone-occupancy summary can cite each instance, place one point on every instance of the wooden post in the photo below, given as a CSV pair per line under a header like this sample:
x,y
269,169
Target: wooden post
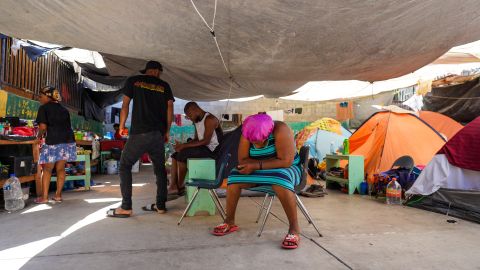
x,y
38,175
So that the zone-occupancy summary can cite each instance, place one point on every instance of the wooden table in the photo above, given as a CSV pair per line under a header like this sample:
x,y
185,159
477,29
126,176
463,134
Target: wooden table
x,y
84,143
35,154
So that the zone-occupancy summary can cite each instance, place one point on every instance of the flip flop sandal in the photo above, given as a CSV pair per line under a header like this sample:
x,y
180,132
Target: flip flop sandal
x,y
181,192
40,201
291,241
112,213
153,208
224,229
312,195
56,200
318,188
172,197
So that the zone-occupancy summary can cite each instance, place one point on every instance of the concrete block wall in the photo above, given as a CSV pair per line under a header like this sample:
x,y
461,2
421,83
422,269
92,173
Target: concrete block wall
x,y
311,111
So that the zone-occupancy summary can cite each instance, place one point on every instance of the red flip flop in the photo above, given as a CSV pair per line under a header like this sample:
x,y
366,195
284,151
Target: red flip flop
x,y
40,201
224,229
291,241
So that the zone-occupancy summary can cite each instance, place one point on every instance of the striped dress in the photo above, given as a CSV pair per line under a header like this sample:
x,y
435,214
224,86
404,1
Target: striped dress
x,y
285,177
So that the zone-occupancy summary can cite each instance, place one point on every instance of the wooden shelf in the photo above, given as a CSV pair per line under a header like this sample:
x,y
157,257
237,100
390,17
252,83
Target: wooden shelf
x,y
83,143
70,177
35,154
9,142
342,157
85,177
337,179
355,170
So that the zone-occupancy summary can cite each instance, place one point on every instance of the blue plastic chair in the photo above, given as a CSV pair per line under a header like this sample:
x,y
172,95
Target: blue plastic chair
x,y
211,186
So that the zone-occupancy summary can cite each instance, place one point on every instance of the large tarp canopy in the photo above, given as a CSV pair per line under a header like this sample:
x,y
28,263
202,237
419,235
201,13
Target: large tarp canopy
x,y
268,47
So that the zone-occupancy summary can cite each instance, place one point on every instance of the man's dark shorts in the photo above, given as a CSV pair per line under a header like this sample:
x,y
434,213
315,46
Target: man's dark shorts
x,y
194,152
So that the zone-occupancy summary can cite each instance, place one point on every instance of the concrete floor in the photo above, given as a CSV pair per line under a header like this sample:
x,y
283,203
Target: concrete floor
x,y
359,233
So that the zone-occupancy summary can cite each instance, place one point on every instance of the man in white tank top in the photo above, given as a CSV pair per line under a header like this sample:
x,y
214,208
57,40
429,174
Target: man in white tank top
x,y
208,135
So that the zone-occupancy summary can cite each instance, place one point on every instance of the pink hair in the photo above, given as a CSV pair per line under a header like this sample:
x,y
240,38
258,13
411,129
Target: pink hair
x,y
257,127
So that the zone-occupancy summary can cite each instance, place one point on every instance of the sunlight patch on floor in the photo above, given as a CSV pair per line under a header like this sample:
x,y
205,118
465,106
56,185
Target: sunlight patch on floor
x,y
103,200
16,257
37,208
134,185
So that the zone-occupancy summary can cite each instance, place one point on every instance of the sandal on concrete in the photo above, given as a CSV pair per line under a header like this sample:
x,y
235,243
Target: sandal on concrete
x,y
224,229
153,208
40,201
291,241
112,213
56,200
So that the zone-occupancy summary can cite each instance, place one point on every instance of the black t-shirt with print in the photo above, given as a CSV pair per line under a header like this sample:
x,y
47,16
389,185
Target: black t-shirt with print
x,y
150,102
57,119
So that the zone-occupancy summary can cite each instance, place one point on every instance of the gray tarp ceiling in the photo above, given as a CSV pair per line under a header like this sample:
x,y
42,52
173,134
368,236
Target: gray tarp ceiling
x,y
271,47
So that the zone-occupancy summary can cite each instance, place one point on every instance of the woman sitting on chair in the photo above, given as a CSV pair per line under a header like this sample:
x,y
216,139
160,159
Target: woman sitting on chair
x,y
267,157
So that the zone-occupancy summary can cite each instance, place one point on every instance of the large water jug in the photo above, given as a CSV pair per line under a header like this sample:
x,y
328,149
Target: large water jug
x,y
112,166
394,192
13,195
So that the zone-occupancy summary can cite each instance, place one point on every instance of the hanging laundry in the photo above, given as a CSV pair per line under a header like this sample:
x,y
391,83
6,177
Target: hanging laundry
x,y
32,50
344,111
16,43
424,87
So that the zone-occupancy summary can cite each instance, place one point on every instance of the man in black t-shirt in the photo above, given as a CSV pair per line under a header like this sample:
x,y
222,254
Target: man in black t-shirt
x,y
152,116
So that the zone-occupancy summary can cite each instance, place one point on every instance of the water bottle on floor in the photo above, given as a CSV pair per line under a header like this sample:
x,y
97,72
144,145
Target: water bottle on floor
x,y
13,195
394,192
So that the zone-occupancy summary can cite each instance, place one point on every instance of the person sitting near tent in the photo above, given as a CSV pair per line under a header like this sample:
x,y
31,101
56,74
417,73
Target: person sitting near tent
x,y
266,157
208,134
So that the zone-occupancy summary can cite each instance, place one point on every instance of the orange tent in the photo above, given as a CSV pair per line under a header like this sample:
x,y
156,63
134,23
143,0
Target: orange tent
x,y
386,136
441,123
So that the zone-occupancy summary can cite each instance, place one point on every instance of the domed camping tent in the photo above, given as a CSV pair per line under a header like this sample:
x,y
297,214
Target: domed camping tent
x,y
320,134
451,181
441,123
387,135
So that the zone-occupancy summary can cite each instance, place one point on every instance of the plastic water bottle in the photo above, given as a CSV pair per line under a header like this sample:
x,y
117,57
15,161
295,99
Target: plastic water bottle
x,y
346,147
13,195
394,192
332,148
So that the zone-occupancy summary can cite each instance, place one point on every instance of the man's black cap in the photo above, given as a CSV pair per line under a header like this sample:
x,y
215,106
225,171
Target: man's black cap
x,y
152,65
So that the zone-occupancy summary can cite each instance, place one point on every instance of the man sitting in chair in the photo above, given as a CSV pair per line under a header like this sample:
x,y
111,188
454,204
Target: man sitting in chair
x,y
208,134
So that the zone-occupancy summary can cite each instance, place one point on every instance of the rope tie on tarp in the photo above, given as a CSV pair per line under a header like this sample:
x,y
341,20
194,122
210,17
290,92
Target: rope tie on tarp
x,y
214,36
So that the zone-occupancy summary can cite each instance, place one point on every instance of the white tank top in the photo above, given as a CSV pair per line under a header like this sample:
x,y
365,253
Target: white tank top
x,y
200,127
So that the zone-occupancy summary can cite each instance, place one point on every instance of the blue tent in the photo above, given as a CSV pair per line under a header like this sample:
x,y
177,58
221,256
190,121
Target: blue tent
x,y
320,142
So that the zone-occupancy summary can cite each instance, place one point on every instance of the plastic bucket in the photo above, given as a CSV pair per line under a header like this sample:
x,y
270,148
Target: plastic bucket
x,y
112,166
136,167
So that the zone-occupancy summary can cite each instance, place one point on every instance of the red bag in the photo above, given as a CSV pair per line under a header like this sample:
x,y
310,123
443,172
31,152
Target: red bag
x,y
23,131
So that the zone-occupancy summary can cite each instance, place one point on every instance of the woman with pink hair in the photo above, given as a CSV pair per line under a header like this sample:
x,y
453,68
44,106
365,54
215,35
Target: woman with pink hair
x,y
267,158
